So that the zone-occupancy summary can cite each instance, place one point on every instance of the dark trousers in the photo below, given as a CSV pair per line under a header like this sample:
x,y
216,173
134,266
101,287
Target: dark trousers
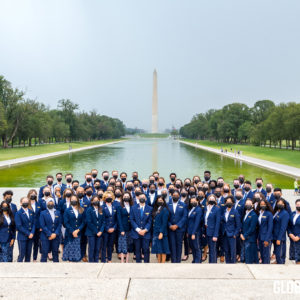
x,y
249,252
280,252
186,245
83,244
108,242
297,251
238,245
292,250
230,249
142,244
95,243
25,248
220,245
196,248
212,246
264,252
50,246
175,243
36,243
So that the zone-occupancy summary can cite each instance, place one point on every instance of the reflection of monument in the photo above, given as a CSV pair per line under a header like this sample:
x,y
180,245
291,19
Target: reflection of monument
x,y
154,104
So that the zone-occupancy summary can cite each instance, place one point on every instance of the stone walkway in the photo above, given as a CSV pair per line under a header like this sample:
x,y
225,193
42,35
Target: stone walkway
x,y
279,168
10,162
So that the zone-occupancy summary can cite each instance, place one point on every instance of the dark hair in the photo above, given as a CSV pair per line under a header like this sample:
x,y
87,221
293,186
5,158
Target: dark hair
x,y
277,190
11,215
156,209
97,180
247,182
100,207
284,204
69,174
80,209
130,199
8,192
173,174
269,207
59,173
298,200
208,172
231,198
49,176
123,173
258,178
105,172
75,181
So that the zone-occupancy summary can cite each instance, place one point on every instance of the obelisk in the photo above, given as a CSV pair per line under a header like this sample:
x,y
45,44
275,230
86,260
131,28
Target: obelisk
x,y
154,104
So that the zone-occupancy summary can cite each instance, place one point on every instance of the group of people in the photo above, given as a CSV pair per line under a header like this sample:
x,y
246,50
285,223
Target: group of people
x,y
203,218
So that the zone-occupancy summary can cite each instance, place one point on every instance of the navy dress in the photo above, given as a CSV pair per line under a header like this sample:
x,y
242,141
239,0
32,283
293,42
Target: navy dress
x,y
160,225
125,242
7,233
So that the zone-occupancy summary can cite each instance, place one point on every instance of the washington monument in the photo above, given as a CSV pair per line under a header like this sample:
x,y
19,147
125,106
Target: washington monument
x,y
154,104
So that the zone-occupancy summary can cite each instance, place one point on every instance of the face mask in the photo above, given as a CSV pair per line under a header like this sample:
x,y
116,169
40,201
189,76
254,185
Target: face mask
x,y
259,185
263,207
8,200
109,200
197,181
151,181
97,187
152,191
105,178
184,195
256,199
129,188
205,189
142,200
50,205
25,205
171,191
212,187
136,185
47,194
5,208
144,186
229,205
277,196
211,202
164,196
178,186
75,187
50,182
173,179
68,195
138,193
80,195
126,199
59,179
280,206
94,175
115,177
248,207
89,193
218,194
187,184
220,184
69,180
200,198
100,196
33,197
74,202
268,190
160,203
96,203
236,186
206,178
241,180
156,178
118,195
194,204
298,208
247,188
160,183
175,199
238,197
134,177
89,179
226,191
123,179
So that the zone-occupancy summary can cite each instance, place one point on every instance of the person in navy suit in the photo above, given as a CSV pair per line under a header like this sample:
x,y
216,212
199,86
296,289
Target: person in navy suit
x,y
74,222
173,178
7,196
248,194
294,231
88,181
105,181
194,228
50,221
236,185
25,224
177,226
95,222
265,224
269,193
160,242
7,232
49,180
34,205
110,214
231,225
259,186
280,225
212,219
249,234
141,222
46,196
125,242
59,177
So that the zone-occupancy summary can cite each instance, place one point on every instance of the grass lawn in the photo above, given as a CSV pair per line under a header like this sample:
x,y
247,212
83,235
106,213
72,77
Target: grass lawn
x,y
282,156
12,153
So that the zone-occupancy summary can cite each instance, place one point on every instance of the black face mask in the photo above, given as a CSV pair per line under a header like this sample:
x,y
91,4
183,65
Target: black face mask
x,y
161,184
160,203
204,189
164,196
8,200
211,202
191,193
220,184
94,175
109,200
206,178
50,182
236,186
259,185
248,207
97,187
200,198
118,195
69,180
151,181
152,191
144,186
115,177
25,205
226,191
75,187
136,185
183,195
247,188
134,177
100,196
263,207
256,199
178,186
280,206
277,196
96,203
68,195
194,204
6,209
89,193
298,208
74,202
268,190
171,191
105,178
59,179
126,199
173,179
175,199
218,194
229,205
196,181
33,197
123,179
187,184
238,197
138,193
156,178
80,195
50,205
142,200
129,188
47,194
212,187
89,179
241,180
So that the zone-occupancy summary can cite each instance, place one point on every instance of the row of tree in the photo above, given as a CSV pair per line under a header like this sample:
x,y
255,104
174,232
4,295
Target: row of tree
x,y
263,124
28,121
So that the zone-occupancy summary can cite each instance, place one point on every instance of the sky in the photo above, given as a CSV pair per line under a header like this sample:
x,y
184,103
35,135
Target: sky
x,y
102,54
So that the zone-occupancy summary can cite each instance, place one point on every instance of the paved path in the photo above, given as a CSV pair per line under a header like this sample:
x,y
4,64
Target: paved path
x,y
279,168
10,162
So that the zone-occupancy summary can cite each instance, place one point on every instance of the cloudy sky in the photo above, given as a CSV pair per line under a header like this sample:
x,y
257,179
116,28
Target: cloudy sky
x,y
101,54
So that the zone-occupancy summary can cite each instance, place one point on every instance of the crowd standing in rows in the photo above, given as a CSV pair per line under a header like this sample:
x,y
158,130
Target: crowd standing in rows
x,y
206,219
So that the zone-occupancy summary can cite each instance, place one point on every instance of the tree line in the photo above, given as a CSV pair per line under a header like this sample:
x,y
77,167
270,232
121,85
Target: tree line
x,y
28,121
264,124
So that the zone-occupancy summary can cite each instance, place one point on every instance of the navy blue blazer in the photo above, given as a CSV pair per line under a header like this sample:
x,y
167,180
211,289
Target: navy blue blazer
x,y
266,227
25,225
7,232
90,184
48,226
270,198
85,202
94,223
110,219
123,218
288,207
62,206
194,221
263,191
294,229
41,195
37,213
249,227
103,185
63,186
43,204
160,222
280,225
142,222
13,208
72,223
180,216
213,221
232,226
221,204
148,201
248,195
240,207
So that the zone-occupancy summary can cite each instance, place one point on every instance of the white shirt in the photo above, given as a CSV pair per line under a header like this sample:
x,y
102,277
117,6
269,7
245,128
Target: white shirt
x,y
152,197
260,215
109,208
227,212
247,213
295,217
33,205
75,211
208,210
26,212
277,212
236,204
8,220
96,211
52,214
127,206
175,206
67,203
191,211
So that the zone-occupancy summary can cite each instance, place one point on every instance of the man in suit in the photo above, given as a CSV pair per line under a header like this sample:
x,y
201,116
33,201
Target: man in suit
x,y
59,183
259,185
49,180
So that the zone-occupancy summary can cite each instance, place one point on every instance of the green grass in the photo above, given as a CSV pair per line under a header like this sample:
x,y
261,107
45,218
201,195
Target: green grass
x,y
12,153
153,135
282,156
